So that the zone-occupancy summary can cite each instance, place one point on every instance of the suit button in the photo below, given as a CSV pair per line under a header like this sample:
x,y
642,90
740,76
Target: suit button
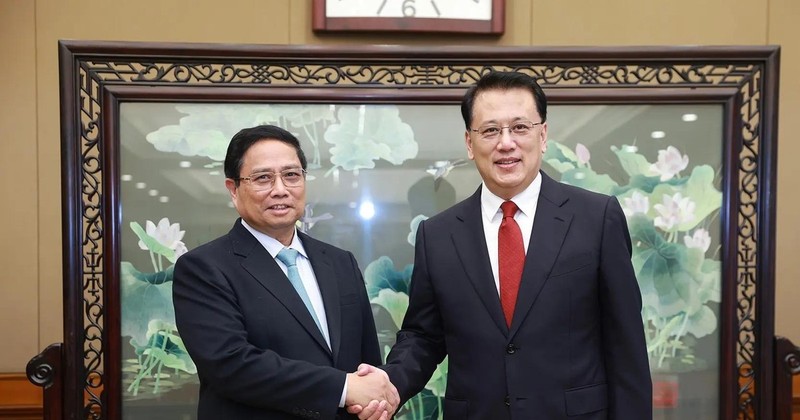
x,y
511,349
507,401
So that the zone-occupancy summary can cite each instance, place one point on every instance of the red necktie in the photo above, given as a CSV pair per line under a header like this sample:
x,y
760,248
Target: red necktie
x,y
511,259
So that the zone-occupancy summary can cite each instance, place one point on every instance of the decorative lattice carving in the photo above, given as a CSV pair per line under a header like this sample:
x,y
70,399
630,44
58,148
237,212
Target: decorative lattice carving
x,y
94,74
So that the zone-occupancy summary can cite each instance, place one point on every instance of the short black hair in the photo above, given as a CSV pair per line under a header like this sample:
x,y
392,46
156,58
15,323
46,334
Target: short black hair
x,y
246,138
503,80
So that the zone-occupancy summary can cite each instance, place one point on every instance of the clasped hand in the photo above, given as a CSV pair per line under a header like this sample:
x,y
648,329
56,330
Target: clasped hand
x,y
370,394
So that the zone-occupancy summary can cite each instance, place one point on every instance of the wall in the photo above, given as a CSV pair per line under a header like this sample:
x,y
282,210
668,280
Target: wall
x,y
30,290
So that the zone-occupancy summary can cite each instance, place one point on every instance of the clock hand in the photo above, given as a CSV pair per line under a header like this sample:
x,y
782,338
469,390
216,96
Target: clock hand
x,y
435,8
381,7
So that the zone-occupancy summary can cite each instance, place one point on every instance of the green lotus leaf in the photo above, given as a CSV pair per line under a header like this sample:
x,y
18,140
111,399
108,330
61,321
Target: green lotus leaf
x,y
356,155
664,291
702,323
188,140
171,360
560,166
711,285
669,280
159,277
708,274
423,406
298,115
145,300
395,303
377,132
646,184
673,279
564,153
632,163
560,157
157,330
700,188
642,230
381,274
438,382
649,314
166,346
664,333
152,243
590,180
206,130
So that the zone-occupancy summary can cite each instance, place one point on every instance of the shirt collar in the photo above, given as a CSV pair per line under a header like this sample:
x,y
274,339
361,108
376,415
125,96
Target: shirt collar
x,y
525,200
272,245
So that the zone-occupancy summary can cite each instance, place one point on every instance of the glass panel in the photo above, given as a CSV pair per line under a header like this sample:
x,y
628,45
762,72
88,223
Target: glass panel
x,y
664,163
374,172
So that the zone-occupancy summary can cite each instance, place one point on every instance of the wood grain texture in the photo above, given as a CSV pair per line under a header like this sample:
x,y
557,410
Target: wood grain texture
x,y
19,399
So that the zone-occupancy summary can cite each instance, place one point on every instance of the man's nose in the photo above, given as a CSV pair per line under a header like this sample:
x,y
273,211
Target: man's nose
x,y
278,187
506,140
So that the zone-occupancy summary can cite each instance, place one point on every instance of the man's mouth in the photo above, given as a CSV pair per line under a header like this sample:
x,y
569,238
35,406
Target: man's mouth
x,y
506,162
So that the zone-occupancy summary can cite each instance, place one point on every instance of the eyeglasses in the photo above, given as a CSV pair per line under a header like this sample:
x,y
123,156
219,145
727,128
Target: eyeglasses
x,y
493,132
262,181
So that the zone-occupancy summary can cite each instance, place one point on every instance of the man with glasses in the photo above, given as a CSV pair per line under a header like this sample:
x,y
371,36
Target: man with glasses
x,y
273,318
527,286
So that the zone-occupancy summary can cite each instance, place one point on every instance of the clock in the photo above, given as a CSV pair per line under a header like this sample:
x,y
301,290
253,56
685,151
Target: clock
x,y
456,16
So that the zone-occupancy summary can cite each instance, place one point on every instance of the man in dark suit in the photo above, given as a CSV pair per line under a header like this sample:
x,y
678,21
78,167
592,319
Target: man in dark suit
x,y
273,318
527,285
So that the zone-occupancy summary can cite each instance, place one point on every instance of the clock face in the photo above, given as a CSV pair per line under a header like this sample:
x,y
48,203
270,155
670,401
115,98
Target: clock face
x,y
438,9
427,16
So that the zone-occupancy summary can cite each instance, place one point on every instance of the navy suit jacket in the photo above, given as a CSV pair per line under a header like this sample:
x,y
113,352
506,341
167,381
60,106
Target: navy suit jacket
x,y
576,346
258,352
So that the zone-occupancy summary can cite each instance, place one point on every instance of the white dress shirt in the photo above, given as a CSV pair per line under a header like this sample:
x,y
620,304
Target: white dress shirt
x,y
273,246
492,215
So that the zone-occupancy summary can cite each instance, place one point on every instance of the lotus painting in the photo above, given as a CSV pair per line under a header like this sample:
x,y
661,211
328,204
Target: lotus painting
x,y
375,172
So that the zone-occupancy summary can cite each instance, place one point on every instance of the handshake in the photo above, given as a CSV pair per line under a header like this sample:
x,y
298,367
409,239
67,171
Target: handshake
x,y
370,394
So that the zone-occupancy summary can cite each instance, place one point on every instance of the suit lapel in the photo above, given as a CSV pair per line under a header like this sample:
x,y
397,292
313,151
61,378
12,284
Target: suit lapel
x,y
257,261
550,226
328,287
470,245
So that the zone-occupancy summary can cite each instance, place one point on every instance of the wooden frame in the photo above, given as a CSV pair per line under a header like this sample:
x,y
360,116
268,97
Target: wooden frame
x,y
97,76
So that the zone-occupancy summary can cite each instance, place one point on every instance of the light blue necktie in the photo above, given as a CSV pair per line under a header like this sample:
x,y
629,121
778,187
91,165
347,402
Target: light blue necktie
x,y
288,257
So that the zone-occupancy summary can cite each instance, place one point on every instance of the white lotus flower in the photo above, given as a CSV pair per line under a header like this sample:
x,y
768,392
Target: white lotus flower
x,y
670,163
166,234
412,235
673,211
700,239
636,203
180,249
583,154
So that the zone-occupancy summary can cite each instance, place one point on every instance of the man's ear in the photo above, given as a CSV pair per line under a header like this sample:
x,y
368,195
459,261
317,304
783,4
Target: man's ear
x,y
543,139
468,143
232,189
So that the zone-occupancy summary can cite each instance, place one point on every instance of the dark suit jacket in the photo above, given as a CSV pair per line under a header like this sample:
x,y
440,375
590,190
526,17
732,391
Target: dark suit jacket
x,y
258,352
576,346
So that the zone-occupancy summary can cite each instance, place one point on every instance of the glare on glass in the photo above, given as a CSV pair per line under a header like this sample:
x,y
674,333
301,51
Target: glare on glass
x,y
493,131
260,181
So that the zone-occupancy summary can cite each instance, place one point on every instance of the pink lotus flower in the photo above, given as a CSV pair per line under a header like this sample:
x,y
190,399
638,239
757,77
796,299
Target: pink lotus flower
x,y
673,211
583,154
636,203
670,163
700,240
